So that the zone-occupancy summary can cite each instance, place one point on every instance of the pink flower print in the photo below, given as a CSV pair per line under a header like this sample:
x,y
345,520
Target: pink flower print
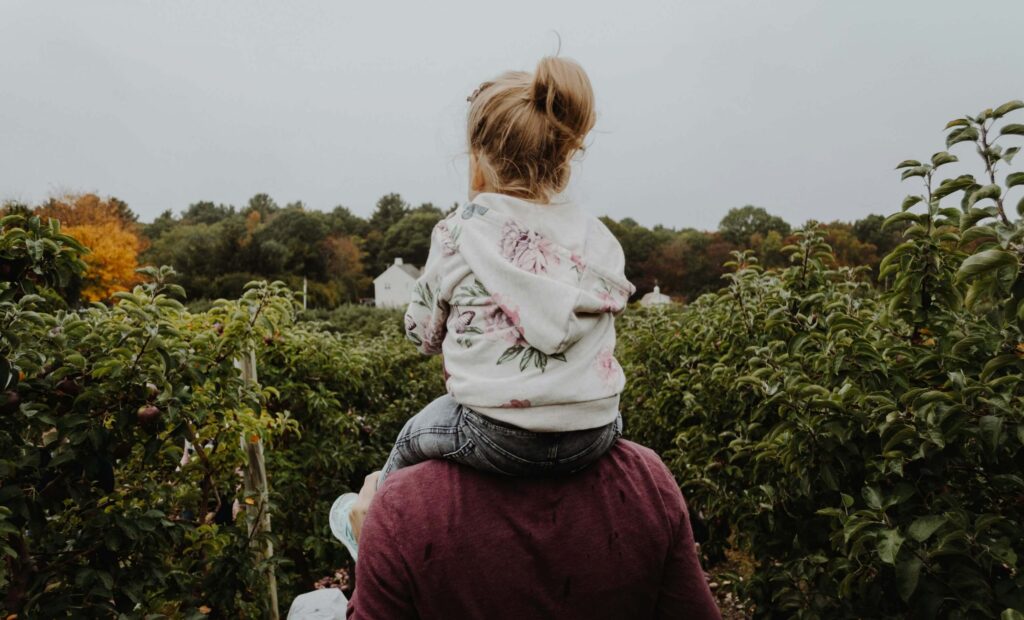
x,y
578,264
503,321
608,368
516,404
512,238
526,249
433,337
610,303
449,247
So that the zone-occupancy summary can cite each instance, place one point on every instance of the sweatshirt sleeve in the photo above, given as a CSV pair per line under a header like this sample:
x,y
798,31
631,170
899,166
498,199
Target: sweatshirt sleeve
x,y
427,316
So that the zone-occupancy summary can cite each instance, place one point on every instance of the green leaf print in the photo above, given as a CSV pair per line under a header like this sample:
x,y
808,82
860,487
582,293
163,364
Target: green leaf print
x,y
424,296
510,354
529,356
465,294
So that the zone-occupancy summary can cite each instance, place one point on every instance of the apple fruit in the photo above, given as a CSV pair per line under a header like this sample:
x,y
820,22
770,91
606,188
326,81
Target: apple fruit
x,y
148,414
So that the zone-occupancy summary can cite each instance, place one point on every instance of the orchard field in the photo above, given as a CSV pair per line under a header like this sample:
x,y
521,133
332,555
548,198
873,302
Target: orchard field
x,y
857,442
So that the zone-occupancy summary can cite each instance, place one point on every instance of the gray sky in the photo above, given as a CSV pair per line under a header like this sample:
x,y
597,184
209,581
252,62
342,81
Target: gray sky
x,y
801,107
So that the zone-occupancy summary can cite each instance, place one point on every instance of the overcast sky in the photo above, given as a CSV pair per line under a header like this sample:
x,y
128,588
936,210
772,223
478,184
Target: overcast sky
x,y
801,107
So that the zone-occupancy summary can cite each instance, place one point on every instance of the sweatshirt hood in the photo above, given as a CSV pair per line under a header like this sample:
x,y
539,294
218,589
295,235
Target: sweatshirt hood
x,y
553,269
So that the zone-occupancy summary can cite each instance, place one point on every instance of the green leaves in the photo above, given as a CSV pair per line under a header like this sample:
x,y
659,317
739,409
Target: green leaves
x,y
1006,108
962,134
941,158
910,201
991,427
916,171
988,191
1013,129
867,441
889,543
873,497
923,528
950,186
908,572
985,262
898,218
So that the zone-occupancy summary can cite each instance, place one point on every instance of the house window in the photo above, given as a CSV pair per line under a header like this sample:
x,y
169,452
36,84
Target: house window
x,y
387,287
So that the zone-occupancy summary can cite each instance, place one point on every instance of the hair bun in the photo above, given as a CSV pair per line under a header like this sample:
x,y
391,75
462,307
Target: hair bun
x,y
561,90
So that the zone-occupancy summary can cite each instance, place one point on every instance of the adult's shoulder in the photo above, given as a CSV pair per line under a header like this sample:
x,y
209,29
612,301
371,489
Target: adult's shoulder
x,y
641,455
404,489
647,470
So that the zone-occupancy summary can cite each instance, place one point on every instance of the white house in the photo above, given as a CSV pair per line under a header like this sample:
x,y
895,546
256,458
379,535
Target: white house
x,y
655,298
393,288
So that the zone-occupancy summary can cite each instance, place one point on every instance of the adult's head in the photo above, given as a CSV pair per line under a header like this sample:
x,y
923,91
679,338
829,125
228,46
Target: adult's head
x,y
525,127
612,541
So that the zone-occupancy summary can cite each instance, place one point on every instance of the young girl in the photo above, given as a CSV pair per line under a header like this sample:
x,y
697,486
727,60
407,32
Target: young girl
x,y
519,294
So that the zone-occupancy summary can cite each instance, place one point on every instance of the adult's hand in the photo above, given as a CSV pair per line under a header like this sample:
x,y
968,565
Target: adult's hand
x,y
362,505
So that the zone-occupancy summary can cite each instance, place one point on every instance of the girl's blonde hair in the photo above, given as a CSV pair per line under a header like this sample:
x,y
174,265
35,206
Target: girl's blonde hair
x,y
524,128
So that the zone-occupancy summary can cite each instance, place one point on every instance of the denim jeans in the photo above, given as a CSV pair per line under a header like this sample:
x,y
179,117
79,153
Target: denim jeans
x,y
447,430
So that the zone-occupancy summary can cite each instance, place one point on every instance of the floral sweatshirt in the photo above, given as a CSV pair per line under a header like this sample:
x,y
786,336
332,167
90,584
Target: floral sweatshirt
x,y
521,299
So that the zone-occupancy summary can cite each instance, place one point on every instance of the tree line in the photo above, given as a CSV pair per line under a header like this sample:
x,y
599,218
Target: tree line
x,y
216,248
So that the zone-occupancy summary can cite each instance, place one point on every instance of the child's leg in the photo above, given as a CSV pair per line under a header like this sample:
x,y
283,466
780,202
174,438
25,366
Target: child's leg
x,y
433,433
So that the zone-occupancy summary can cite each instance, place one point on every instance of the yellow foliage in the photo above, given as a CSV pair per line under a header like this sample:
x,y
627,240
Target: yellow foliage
x,y
78,209
113,258
252,222
108,228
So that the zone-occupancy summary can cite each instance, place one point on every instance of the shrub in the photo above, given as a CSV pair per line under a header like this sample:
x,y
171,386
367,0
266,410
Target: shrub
x,y
102,512
864,448
353,318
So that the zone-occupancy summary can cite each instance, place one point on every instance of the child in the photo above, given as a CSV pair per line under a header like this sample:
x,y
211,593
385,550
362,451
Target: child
x,y
519,294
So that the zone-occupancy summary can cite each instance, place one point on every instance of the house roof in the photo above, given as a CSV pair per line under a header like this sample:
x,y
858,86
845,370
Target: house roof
x,y
409,270
655,298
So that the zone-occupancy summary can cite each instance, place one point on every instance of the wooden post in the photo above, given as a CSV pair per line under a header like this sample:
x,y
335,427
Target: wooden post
x,y
304,290
255,481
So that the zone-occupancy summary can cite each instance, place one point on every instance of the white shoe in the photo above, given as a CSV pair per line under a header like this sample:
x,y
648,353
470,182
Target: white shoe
x,y
341,524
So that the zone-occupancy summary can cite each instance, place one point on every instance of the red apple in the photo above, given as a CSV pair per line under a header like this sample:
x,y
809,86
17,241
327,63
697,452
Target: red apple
x,y
148,414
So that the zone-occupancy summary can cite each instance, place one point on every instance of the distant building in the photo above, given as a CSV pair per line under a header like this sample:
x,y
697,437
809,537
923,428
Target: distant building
x,y
393,288
655,298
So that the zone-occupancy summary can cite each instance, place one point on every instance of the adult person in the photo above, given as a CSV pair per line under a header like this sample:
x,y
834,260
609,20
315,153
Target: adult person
x,y
440,540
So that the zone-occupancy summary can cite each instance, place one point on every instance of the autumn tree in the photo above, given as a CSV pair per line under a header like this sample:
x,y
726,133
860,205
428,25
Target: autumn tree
x,y
639,244
849,250
109,228
75,209
343,261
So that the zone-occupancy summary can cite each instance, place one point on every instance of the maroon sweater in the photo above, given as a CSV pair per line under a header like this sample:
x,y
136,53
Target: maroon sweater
x,y
613,541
